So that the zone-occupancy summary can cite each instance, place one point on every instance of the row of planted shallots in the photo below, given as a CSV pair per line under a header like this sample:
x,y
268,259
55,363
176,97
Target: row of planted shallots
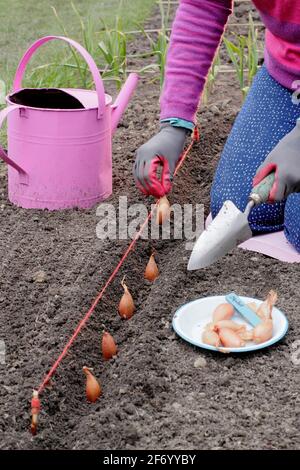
x,y
126,310
108,346
224,332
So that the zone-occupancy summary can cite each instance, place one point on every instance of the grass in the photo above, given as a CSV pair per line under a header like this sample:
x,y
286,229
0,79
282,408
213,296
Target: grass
x,y
101,28
22,22
2,92
109,47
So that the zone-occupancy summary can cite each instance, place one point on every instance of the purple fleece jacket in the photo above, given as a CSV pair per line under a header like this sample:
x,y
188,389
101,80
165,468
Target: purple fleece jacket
x,y
196,36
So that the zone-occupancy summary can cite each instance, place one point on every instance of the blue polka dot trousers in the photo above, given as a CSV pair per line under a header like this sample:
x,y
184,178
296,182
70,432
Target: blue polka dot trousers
x,y
267,115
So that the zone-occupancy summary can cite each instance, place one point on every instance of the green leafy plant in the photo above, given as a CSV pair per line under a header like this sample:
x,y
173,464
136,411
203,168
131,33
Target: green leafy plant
x,y
211,79
236,54
252,46
159,46
244,56
113,48
87,33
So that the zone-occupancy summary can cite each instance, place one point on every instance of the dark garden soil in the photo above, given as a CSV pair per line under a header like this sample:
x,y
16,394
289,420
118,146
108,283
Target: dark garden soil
x,y
153,395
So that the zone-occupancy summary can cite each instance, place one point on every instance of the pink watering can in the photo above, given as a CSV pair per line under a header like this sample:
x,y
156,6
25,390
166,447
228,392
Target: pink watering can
x,y
60,140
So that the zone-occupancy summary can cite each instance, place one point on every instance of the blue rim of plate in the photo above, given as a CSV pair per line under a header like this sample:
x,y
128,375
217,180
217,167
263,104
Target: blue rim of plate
x,y
228,350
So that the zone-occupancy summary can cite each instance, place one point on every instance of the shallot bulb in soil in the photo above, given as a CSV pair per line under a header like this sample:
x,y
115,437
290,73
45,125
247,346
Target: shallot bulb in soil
x,y
263,331
109,347
229,338
126,305
163,210
93,388
223,312
151,272
265,309
35,410
211,338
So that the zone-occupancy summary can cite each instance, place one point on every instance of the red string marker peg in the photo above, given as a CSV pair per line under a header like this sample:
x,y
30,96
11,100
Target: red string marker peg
x,y
196,134
35,410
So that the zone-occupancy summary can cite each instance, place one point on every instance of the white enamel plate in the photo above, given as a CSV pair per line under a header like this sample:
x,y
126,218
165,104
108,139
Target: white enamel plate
x,y
190,320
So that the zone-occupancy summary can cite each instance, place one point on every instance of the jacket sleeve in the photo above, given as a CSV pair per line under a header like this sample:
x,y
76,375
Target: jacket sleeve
x,y
196,35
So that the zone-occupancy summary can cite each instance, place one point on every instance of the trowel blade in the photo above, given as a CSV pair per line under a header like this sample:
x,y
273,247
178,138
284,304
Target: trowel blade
x,y
228,229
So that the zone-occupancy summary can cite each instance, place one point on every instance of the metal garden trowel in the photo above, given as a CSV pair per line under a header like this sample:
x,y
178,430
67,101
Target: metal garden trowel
x,y
229,228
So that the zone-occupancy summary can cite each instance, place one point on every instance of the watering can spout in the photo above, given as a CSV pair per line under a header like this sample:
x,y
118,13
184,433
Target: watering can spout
x,y
123,99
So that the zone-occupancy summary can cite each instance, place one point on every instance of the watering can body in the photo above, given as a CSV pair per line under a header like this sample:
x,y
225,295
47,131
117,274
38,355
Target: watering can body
x,y
62,158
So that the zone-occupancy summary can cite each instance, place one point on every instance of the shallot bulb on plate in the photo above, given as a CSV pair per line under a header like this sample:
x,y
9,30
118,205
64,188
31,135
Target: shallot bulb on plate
x,y
229,338
252,306
265,309
223,312
246,335
211,338
229,324
263,331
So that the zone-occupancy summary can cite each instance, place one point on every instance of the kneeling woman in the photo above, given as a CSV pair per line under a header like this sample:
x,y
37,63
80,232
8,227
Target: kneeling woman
x,y
266,134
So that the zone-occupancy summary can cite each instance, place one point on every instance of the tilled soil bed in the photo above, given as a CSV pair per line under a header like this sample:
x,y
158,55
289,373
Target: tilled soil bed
x,y
153,395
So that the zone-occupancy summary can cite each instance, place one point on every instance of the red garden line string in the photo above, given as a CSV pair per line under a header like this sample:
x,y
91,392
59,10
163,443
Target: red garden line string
x,y
195,138
85,319
83,322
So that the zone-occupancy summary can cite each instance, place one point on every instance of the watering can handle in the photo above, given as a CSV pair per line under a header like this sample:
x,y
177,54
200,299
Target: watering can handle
x,y
86,56
22,173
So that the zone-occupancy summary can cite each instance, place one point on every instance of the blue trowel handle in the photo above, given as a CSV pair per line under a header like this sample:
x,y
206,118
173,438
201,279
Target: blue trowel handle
x,y
245,311
261,192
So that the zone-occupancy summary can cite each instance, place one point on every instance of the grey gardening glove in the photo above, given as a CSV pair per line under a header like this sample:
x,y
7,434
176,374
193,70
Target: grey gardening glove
x,y
165,150
285,161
